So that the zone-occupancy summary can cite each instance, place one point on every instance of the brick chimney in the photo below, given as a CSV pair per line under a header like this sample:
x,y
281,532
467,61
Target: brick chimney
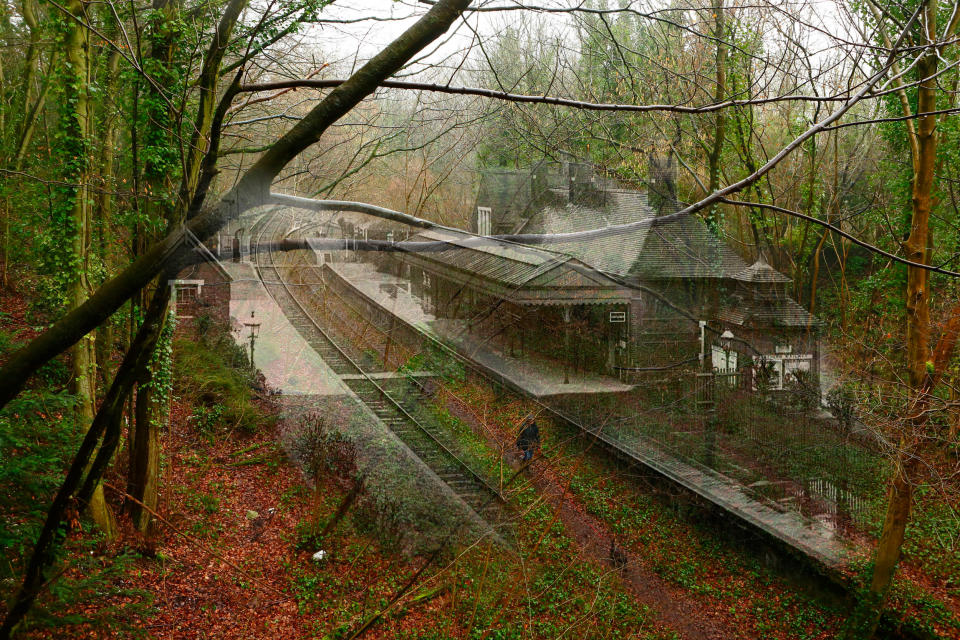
x,y
583,185
661,183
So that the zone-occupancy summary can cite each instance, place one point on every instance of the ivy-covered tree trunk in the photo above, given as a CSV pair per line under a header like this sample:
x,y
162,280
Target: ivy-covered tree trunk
x,y
160,168
107,182
153,388
720,118
77,210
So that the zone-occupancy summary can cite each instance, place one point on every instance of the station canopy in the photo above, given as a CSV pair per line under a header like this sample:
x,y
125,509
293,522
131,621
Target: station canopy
x,y
510,271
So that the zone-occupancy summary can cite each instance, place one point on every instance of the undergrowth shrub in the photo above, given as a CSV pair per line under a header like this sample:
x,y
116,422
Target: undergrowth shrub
x,y
394,503
322,450
325,455
38,438
213,375
380,516
207,419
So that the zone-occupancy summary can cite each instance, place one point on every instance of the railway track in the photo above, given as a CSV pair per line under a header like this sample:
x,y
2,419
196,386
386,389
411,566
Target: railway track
x,y
394,401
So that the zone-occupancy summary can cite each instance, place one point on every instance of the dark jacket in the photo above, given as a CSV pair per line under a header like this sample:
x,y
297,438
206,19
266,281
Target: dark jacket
x,y
529,437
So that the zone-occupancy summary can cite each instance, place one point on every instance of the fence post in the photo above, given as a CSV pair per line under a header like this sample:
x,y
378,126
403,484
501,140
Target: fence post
x,y
709,404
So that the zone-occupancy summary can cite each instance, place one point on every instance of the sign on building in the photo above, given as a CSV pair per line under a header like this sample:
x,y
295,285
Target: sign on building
x,y
723,360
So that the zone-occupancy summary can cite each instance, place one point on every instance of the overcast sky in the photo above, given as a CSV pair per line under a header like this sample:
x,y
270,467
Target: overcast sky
x,y
378,22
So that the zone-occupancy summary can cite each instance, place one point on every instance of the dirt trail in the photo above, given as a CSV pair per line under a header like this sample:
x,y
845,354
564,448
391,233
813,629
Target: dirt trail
x,y
673,607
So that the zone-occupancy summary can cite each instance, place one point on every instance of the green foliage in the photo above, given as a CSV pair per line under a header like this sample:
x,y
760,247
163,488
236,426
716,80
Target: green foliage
x,y
206,503
933,536
167,38
308,536
436,359
690,554
64,611
206,420
212,374
161,366
910,610
38,438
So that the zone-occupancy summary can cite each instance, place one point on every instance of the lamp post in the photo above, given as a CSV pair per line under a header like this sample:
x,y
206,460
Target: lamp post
x,y
254,330
726,341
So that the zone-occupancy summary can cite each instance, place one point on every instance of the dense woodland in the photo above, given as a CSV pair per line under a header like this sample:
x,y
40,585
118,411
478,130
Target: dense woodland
x,y
823,136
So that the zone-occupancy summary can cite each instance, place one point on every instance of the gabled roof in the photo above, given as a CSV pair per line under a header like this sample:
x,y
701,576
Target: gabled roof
x,y
761,272
685,248
207,255
780,312
505,191
505,262
614,254
678,248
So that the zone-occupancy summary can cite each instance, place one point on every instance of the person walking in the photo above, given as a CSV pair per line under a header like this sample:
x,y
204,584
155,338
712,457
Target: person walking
x,y
529,438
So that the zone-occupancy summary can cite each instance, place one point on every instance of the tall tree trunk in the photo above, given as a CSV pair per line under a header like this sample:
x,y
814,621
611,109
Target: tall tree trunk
x,y
207,86
24,129
919,358
720,118
143,480
159,136
28,10
918,323
104,202
918,330
815,271
745,134
77,123
841,251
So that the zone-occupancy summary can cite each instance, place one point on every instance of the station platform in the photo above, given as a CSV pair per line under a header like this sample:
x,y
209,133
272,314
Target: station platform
x,y
287,362
543,380
537,376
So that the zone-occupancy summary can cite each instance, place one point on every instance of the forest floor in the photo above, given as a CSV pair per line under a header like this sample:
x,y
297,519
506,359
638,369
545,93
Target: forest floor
x,y
230,554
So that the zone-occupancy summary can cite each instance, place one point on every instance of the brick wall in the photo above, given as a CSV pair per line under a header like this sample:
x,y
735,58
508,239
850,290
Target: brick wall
x,y
213,299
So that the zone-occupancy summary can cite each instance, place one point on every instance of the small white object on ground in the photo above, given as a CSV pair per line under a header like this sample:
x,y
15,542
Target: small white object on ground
x,y
319,556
